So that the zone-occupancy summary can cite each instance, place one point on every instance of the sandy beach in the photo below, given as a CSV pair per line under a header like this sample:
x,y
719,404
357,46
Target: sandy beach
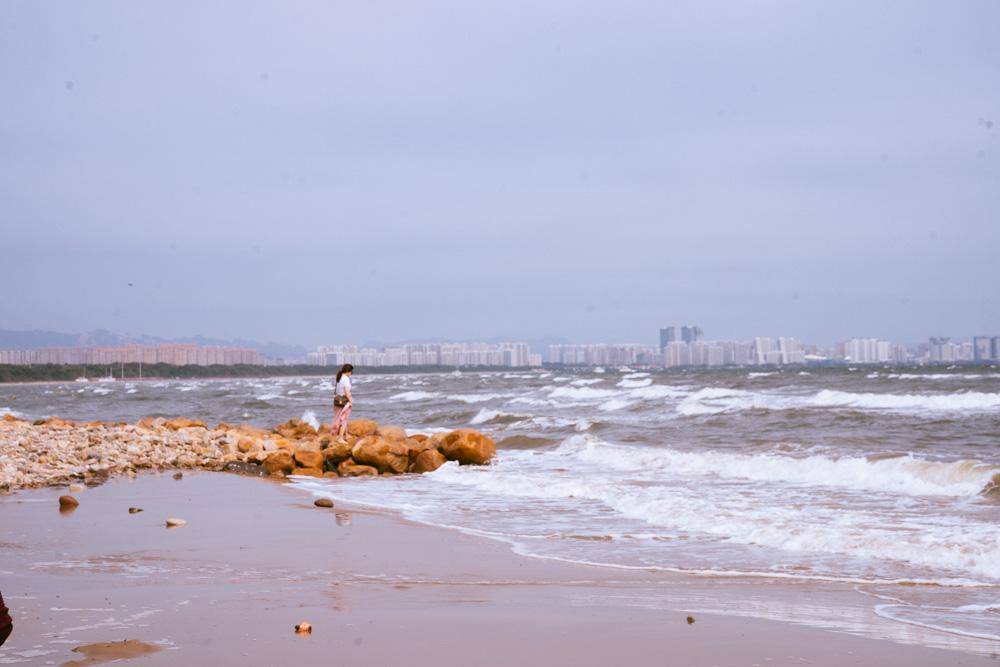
x,y
256,558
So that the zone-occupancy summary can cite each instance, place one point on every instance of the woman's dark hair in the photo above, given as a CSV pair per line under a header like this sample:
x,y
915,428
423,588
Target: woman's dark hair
x,y
346,368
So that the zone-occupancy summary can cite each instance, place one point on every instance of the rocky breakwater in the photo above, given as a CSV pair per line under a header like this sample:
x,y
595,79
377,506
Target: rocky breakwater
x,y
57,451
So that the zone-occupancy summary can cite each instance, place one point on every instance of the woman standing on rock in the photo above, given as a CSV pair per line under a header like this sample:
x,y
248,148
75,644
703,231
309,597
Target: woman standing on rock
x,y
342,402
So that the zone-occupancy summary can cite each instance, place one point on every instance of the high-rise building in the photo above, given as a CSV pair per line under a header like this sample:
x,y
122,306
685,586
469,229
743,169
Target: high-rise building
x,y
692,333
983,348
667,335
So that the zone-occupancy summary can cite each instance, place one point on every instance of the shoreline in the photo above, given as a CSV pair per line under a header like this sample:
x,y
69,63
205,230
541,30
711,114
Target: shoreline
x,y
257,558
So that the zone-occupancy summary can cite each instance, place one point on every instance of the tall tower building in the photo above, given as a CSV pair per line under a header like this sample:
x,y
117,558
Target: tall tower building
x,y
692,333
667,335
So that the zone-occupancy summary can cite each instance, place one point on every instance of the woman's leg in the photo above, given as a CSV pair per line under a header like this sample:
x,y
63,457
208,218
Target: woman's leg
x,y
345,413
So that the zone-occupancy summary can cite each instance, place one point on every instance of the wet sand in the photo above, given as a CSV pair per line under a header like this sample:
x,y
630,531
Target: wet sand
x,y
257,557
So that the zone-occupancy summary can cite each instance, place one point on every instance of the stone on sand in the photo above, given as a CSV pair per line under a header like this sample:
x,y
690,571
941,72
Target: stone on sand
x,y
173,522
323,502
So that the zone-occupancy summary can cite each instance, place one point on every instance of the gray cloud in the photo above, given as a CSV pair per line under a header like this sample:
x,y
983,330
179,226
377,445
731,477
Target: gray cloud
x,y
319,172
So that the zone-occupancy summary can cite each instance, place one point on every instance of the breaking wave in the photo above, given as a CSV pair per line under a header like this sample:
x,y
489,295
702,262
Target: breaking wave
x,y
906,474
413,396
716,400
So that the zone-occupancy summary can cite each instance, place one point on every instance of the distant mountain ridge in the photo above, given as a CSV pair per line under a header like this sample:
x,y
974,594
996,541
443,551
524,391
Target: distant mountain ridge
x,y
35,339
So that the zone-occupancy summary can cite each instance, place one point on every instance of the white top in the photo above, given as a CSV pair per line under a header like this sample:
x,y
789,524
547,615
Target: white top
x,y
344,385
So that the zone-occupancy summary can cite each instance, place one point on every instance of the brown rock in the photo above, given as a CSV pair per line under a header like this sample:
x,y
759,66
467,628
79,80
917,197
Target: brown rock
x,y
279,462
309,459
336,453
362,427
468,447
349,468
419,437
134,510
295,429
385,455
323,502
10,418
331,473
416,447
67,502
181,422
390,432
311,472
281,443
175,523
304,628
178,475
248,445
428,460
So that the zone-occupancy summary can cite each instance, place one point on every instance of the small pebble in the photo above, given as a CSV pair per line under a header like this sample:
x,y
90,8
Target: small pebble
x,y
173,523
134,510
690,620
178,475
67,502
323,502
76,488
304,628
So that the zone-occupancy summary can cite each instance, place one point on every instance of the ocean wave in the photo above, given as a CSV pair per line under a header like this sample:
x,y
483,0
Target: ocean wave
x,y
723,513
940,376
586,382
477,398
409,396
487,416
309,417
582,393
267,397
970,400
635,383
613,405
717,400
900,475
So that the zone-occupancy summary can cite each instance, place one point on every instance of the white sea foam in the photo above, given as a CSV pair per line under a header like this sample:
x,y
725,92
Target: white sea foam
x,y
477,398
413,396
940,376
716,400
970,400
585,382
901,475
309,417
761,374
614,404
267,397
582,393
632,384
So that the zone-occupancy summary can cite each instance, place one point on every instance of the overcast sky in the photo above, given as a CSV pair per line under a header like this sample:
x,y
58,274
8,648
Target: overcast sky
x,y
339,172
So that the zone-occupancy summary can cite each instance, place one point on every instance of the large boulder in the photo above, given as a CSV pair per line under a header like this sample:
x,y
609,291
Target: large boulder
x,y
295,429
385,455
309,459
249,445
427,461
362,427
349,468
310,472
280,461
416,447
468,447
390,432
336,453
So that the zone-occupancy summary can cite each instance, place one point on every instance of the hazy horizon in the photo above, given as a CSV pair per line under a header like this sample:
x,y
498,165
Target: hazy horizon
x,y
314,174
